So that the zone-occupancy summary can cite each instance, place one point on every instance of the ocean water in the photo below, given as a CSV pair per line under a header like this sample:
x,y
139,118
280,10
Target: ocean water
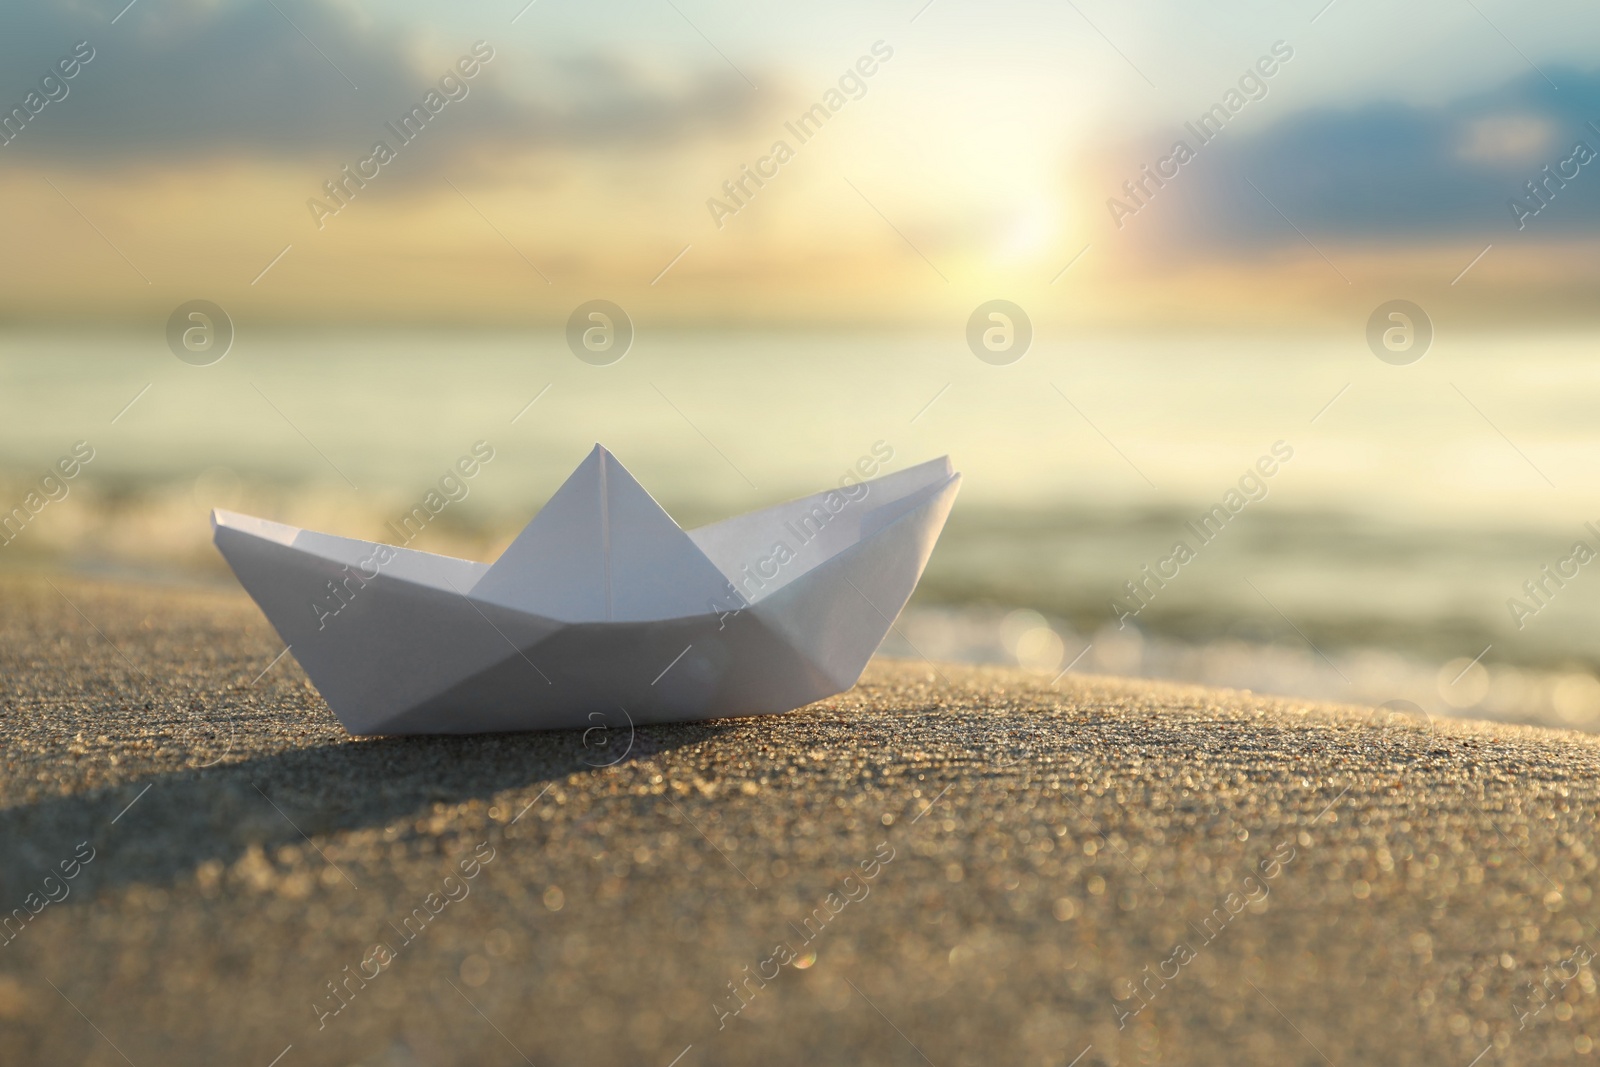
x,y
1371,530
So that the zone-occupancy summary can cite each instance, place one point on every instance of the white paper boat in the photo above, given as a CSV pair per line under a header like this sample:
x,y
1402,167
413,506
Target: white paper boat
x,y
602,604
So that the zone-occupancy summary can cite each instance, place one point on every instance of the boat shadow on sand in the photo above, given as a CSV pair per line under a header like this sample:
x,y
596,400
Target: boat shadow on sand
x,y
163,828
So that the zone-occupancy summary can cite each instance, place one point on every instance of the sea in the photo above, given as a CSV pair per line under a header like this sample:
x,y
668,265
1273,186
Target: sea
x,y
1409,537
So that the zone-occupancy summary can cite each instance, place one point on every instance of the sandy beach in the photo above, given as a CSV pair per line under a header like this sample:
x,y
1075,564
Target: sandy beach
x,y
945,865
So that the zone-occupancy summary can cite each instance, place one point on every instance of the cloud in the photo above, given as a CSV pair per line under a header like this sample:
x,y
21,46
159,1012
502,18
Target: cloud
x,y
296,80
1393,171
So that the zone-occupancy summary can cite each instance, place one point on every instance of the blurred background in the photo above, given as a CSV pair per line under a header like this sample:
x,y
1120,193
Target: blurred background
x,y
1173,314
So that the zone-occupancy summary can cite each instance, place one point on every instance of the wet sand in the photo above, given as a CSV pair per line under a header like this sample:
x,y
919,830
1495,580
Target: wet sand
x,y
945,865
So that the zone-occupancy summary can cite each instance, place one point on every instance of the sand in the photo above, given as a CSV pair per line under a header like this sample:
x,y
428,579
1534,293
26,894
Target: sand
x,y
945,865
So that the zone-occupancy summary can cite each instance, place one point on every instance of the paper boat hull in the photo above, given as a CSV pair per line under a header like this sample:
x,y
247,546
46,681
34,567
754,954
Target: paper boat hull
x,y
411,650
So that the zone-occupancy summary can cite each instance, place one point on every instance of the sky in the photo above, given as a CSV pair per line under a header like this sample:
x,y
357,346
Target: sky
x,y
984,156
